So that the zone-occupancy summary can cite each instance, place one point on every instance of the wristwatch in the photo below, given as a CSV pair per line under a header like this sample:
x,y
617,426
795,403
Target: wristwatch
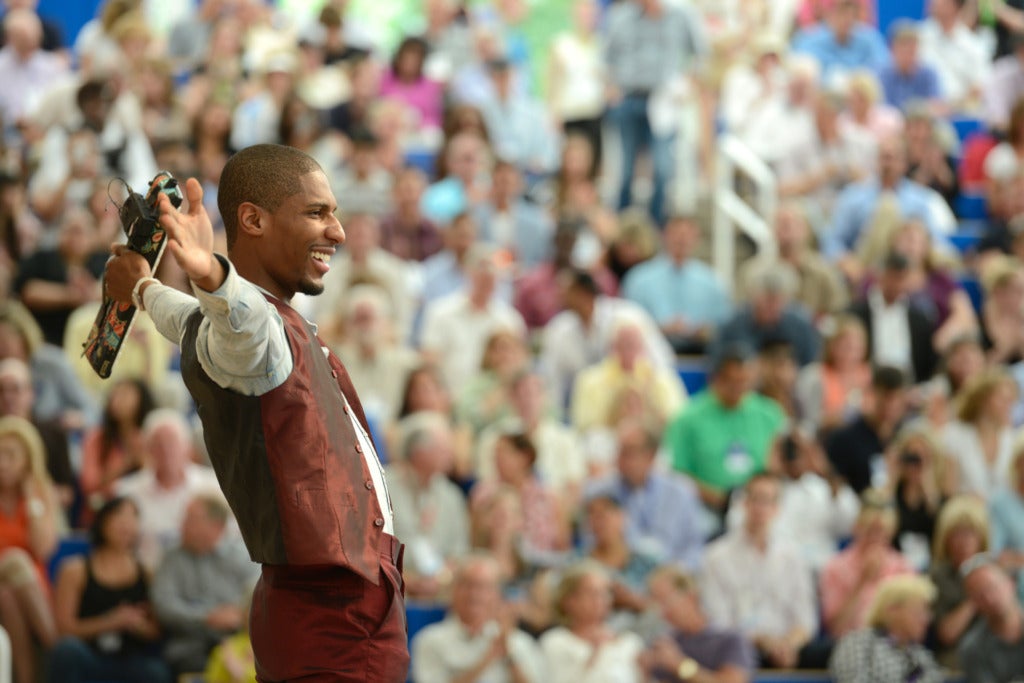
x,y
688,668
137,292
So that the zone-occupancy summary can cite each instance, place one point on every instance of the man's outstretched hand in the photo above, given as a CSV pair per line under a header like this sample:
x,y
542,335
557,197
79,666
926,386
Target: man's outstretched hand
x,y
190,238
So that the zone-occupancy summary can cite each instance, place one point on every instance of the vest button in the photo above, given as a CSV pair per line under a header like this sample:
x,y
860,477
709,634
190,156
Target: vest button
x,y
379,522
334,374
345,408
359,449
369,485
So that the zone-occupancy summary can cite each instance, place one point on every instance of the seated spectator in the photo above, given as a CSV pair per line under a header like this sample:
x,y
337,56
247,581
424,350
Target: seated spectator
x,y
841,42
662,509
376,362
961,532
830,393
1002,313
821,290
892,649
115,448
406,83
682,293
27,62
980,440
906,78
1004,87
771,314
581,335
363,187
776,375
723,435
627,566
693,650
17,396
484,398
537,294
851,580
406,232
197,590
542,529
756,98
103,610
58,393
1007,519
53,282
596,388
166,482
816,509
430,511
561,461
456,327
757,583
256,118
518,125
630,241
866,116
362,261
585,648
855,449
993,649
958,54
476,640
963,360
518,228
466,182
921,479
929,160
899,333
858,203
30,522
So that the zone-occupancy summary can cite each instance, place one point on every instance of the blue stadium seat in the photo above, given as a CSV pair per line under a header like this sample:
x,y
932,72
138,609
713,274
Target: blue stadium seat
x,y
694,375
72,546
419,616
971,207
967,126
972,286
424,160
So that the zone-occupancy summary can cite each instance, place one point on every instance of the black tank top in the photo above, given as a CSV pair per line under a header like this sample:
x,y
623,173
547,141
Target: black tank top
x,y
98,599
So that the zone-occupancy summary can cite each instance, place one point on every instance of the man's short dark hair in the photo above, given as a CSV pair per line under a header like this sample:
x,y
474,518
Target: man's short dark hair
x,y
733,353
886,378
264,175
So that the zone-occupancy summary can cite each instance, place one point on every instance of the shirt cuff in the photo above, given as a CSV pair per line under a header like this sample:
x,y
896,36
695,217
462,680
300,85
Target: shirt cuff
x,y
219,299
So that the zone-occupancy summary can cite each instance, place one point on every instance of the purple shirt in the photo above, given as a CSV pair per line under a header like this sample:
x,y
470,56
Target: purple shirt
x,y
25,82
902,88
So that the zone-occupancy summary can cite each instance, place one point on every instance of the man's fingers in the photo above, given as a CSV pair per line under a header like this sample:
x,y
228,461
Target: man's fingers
x,y
194,194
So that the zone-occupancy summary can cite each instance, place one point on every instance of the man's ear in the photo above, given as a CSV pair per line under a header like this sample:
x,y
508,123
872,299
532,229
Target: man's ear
x,y
252,219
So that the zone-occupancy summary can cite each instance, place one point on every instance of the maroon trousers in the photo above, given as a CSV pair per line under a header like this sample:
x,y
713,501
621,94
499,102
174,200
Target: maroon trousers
x,y
325,624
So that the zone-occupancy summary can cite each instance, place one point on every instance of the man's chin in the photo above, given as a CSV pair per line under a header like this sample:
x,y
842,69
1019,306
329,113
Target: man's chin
x,y
312,288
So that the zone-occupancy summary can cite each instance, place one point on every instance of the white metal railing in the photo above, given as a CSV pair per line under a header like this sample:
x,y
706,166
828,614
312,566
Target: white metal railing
x,y
731,211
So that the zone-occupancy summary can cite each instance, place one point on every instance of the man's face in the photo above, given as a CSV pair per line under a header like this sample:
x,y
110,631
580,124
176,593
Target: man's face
x,y
904,53
731,383
475,596
843,18
199,533
761,504
680,237
893,283
169,450
635,457
892,159
16,395
890,406
300,239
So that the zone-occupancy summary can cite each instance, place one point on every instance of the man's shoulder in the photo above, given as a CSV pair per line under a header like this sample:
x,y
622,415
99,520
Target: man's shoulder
x,y
440,635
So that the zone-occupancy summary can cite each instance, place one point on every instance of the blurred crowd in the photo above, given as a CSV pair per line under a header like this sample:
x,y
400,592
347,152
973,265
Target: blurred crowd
x,y
838,484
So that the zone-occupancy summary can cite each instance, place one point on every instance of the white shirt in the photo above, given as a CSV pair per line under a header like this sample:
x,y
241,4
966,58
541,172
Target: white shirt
x,y
977,476
161,510
457,332
960,58
809,516
243,347
444,651
581,95
758,594
567,657
890,328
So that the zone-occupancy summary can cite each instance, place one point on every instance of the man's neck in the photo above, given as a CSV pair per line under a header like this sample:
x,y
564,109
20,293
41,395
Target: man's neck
x,y
169,480
758,538
947,24
889,182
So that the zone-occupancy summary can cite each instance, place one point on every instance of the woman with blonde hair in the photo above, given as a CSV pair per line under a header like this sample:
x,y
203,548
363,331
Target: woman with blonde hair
x,y
890,650
584,649
30,524
829,393
980,439
1002,315
961,532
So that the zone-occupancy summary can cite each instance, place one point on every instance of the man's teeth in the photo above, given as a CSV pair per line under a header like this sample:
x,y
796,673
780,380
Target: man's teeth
x,y
321,256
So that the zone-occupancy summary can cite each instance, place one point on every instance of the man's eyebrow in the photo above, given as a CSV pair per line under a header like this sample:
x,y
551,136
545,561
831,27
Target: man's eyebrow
x,y
320,205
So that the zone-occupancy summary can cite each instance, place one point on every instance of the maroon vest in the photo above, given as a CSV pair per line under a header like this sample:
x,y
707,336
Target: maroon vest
x,y
289,461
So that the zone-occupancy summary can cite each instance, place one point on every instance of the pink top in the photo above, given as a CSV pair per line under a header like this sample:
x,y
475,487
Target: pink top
x,y
841,575
424,96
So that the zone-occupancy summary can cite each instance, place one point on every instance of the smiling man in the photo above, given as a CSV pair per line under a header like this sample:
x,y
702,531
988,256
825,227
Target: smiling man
x,y
282,422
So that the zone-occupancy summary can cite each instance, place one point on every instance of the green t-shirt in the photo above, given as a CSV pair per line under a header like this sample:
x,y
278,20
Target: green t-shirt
x,y
722,448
